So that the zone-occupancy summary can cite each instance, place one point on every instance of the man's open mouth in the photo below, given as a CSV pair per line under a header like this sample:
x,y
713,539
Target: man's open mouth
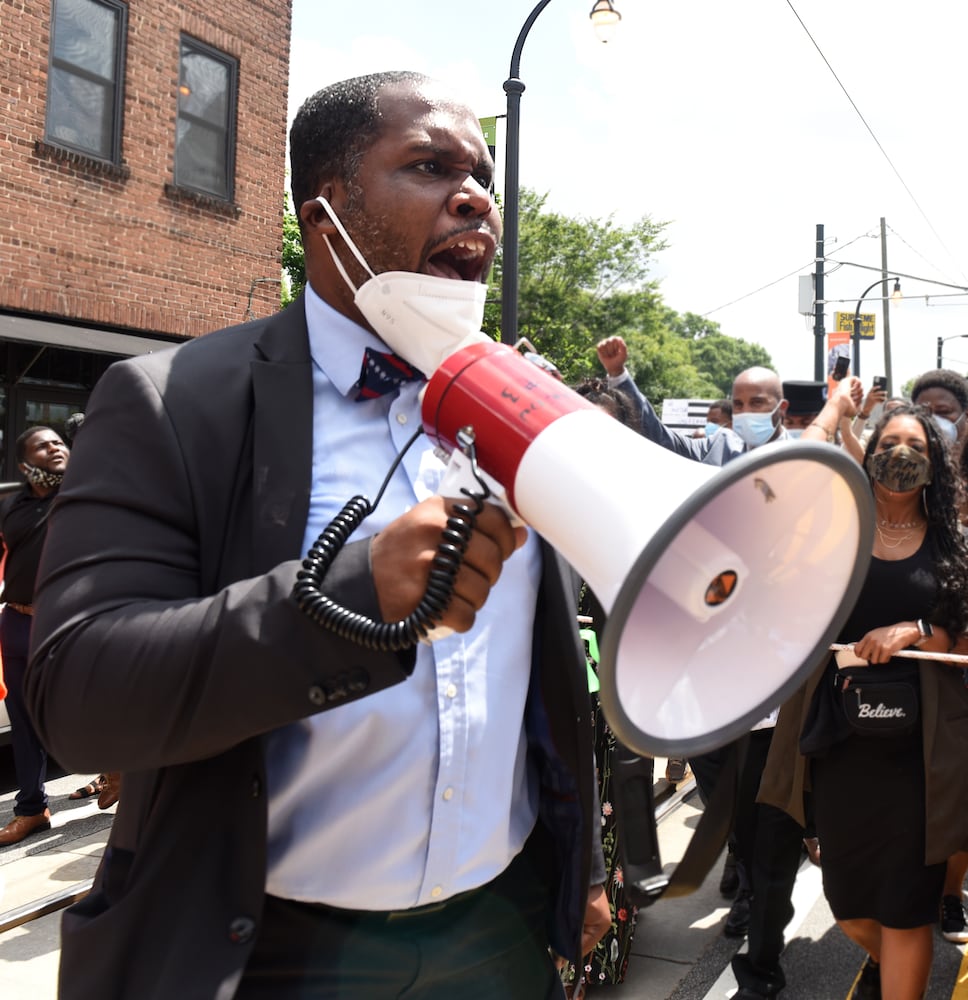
x,y
466,258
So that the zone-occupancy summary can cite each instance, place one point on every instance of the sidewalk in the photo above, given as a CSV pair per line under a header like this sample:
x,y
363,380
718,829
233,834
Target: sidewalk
x,y
42,867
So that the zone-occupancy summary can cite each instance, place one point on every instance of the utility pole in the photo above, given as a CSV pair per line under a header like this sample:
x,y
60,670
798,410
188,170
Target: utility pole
x,y
886,308
818,331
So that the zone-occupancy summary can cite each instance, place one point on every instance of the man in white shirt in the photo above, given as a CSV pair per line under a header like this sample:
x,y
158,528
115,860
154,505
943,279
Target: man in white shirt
x,y
303,814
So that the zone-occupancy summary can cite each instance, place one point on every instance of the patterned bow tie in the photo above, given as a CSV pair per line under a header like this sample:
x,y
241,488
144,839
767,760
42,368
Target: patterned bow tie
x,y
382,373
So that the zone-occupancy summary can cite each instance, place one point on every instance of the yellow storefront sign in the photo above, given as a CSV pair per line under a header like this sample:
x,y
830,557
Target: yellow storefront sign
x,y
844,321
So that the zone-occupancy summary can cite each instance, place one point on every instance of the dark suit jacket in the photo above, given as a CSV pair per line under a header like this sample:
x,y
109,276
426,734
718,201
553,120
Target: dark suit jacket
x,y
165,643
723,447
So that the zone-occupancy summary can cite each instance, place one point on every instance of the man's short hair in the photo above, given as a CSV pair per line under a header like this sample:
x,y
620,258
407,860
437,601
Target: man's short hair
x,y
725,405
334,128
20,445
942,378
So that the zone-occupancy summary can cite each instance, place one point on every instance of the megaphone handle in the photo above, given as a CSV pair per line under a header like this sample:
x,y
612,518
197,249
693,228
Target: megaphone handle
x,y
389,637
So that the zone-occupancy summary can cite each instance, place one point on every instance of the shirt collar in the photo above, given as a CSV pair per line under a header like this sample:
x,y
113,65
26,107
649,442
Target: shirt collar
x,y
336,343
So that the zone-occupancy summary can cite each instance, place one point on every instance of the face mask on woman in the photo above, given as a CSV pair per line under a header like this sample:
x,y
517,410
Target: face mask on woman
x,y
755,428
900,469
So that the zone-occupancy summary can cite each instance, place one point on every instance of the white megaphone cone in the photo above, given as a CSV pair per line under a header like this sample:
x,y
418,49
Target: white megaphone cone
x,y
723,587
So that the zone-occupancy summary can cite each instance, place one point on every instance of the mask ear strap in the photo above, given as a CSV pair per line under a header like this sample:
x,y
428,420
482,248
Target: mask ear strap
x,y
341,229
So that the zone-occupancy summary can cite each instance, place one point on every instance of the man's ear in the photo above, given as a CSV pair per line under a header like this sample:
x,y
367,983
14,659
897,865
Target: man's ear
x,y
314,217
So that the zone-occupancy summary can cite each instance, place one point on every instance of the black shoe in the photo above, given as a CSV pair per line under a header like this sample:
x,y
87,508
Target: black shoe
x,y
868,985
738,919
729,883
953,920
676,769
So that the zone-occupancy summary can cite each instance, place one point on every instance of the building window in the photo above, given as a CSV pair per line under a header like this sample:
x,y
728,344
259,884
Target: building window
x,y
205,132
84,88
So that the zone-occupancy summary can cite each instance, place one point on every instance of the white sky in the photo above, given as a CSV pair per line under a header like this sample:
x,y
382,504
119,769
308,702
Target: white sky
x,y
724,120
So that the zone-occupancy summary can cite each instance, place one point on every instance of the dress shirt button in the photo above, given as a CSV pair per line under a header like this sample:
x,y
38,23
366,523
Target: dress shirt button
x,y
436,891
448,794
451,691
256,786
241,930
317,695
401,418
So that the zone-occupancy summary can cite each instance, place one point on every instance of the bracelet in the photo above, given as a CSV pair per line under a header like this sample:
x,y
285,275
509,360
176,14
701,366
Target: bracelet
x,y
824,429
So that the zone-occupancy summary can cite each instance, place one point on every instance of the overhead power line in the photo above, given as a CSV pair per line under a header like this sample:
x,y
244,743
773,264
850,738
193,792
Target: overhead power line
x,y
870,131
783,277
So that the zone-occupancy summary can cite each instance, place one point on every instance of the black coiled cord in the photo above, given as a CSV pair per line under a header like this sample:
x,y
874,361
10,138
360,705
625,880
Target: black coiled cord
x,y
390,637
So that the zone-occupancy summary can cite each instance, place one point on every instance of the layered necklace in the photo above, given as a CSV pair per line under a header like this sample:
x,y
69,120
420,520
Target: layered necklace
x,y
893,534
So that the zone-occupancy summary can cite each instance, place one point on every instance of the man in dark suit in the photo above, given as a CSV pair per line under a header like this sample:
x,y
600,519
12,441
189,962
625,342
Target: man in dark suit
x,y
304,815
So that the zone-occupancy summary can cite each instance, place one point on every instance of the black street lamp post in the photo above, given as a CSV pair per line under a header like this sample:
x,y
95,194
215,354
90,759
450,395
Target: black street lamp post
x,y
941,341
602,15
856,337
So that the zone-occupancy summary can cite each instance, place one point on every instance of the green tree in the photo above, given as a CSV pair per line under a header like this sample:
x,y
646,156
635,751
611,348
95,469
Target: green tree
x,y
293,257
579,279
585,279
719,359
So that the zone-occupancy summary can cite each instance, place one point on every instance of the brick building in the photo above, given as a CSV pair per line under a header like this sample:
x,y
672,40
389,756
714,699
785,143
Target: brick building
x,y
143,147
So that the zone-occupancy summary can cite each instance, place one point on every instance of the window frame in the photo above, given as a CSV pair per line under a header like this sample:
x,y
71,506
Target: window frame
x,y
117,109
231,104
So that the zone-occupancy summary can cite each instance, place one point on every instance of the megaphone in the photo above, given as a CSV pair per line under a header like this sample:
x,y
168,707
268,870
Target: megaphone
x,y
723,588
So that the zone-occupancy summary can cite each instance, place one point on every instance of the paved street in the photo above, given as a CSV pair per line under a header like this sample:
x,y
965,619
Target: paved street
x,y
679,952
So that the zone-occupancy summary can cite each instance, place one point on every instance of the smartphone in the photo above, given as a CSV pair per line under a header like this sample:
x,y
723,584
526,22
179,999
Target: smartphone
x,y
880,382
841,368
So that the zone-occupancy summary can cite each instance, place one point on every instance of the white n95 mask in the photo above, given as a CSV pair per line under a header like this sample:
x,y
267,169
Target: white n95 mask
x,y
422,317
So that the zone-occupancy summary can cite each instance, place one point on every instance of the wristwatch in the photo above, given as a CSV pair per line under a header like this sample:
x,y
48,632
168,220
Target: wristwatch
x,y
925,629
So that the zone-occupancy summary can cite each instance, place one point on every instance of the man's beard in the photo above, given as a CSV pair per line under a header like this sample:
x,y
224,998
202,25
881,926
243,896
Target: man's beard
x,y
382,250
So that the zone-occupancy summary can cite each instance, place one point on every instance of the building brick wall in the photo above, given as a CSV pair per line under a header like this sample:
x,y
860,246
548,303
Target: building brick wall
x,y
121,247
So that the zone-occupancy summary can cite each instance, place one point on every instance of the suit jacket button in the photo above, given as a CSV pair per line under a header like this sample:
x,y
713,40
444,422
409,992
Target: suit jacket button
x,y
256,786
317,695
241,930
337,692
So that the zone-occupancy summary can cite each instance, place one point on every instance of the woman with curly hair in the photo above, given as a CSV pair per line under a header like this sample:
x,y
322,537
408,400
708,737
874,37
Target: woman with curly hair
x,y
889,806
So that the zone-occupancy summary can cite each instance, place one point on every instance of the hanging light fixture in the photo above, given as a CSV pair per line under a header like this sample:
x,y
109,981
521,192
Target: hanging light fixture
x,y
896,295
604,17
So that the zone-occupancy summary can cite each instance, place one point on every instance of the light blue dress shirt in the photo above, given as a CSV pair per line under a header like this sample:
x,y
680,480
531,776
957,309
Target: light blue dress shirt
x,y
421,791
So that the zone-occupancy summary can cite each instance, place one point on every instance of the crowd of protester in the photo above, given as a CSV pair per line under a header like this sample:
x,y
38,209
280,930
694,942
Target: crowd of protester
x,y
435,815
883,812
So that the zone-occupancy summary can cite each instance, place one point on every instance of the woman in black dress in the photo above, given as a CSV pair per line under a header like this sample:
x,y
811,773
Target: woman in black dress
x,y
870,792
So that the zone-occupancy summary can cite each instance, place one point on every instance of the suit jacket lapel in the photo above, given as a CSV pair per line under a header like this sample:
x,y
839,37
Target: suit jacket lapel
x,y
283,437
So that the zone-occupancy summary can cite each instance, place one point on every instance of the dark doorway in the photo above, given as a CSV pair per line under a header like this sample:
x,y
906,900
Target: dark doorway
x,y
42,385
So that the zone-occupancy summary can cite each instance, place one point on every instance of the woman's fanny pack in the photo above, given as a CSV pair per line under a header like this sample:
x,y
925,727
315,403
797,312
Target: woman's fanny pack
x,y
875,700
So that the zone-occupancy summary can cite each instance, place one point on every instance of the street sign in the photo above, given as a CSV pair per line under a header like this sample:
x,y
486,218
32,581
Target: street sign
x,y
845,321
